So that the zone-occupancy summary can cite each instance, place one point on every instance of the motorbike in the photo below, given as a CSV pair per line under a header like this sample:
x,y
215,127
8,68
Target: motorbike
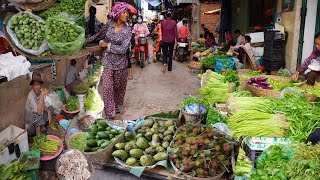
x,y
142,41
182,50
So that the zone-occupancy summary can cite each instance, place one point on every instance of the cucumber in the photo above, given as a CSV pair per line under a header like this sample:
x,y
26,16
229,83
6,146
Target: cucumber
x,y
113,131
105,144
103,135
103,124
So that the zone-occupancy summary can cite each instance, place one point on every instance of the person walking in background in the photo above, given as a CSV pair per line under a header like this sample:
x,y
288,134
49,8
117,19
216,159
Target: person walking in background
x,y
93,25
115,40
169,36
206,31
237,33
156,45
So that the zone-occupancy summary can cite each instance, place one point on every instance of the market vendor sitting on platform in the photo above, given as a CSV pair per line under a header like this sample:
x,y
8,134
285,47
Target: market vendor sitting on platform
x,y
72,78
37,114
311,66
245,44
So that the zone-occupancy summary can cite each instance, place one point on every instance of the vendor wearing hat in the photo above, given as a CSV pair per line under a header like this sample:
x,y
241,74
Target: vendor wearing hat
x,y
229,42
36,113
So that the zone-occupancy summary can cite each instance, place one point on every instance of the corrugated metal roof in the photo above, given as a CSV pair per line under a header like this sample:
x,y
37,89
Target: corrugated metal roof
x,y
187,1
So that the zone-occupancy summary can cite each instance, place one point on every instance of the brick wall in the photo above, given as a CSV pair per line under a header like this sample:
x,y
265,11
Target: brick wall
x,y
209,20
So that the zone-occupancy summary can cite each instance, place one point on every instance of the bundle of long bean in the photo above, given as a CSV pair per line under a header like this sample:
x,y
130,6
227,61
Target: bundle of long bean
x,y
301,115
46,145
258,124
238,104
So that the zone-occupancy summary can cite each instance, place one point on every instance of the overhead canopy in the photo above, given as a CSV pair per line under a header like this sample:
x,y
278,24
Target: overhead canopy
x,y
212,12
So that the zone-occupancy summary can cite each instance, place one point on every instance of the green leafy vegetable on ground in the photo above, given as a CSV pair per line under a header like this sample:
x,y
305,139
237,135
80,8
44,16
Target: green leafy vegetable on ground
x,y
78,142
231,76
272,164
207,61
214,117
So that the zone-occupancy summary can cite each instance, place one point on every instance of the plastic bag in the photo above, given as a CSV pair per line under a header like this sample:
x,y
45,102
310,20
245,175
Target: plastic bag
x,y
44,46
315,64
289,89
222,64
284,72
223,128
53,100
65,48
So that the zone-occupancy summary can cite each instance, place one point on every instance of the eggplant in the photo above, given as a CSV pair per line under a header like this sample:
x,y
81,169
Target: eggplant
x,y
251,80
264,83
261,79
255,85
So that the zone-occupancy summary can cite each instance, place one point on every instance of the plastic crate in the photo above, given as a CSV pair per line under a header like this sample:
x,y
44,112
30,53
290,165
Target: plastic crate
x,y
274,35
274,45
274,55
32,159
273,65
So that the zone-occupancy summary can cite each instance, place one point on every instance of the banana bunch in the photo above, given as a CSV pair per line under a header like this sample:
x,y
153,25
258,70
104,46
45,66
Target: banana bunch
x,y
14,170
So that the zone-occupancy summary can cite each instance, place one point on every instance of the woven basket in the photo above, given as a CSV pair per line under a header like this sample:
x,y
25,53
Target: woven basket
x,y
100,158
309,97
197,66
265,92
35,6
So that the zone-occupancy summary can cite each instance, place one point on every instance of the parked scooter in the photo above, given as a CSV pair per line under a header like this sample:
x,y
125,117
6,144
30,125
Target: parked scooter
x,y
142,41
182,50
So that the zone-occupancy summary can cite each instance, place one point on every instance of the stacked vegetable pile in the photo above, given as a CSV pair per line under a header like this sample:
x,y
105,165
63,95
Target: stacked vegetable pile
x,y
72,103
215,89
200,151
93,101
193,105
14,170
81,88
28,32
240,104
298,161
243,165
73,8
99,136
45,144
148,146
78,141
214,116
63,35
259,82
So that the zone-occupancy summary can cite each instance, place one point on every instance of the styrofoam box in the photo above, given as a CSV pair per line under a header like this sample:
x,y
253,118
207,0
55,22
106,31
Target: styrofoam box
x,y
10,133
257,37
262,143
258,51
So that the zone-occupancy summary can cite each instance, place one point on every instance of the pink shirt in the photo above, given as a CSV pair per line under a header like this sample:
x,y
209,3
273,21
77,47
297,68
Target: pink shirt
x,y
184,31
140,29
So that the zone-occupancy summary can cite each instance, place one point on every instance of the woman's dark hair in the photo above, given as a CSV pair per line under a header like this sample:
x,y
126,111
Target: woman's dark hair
x,y
247,38
317,36
92,20
237,31
184,22
168,14
73,62
201,36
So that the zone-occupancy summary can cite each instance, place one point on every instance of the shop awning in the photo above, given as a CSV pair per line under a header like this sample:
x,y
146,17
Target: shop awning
x,y
212,12
187,2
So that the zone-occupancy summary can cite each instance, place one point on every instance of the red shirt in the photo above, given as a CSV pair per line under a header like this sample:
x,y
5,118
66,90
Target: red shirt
x,y
184,31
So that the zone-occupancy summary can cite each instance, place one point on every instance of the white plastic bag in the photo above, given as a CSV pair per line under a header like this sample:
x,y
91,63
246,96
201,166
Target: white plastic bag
x,y
44,46
289,89
53,100
314,65
223,128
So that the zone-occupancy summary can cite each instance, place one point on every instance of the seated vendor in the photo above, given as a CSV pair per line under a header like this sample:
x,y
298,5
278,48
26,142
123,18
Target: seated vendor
x,y
311,66
229,42
245,44
72,78
36,113
210,41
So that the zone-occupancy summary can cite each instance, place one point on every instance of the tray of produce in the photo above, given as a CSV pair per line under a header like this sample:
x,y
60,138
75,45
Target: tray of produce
x,y
145,144
72,105
72,164
38,6
199,151
50,146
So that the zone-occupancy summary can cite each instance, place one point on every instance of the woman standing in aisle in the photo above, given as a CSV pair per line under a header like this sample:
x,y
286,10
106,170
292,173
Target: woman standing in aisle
x,y
156,45
115,40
